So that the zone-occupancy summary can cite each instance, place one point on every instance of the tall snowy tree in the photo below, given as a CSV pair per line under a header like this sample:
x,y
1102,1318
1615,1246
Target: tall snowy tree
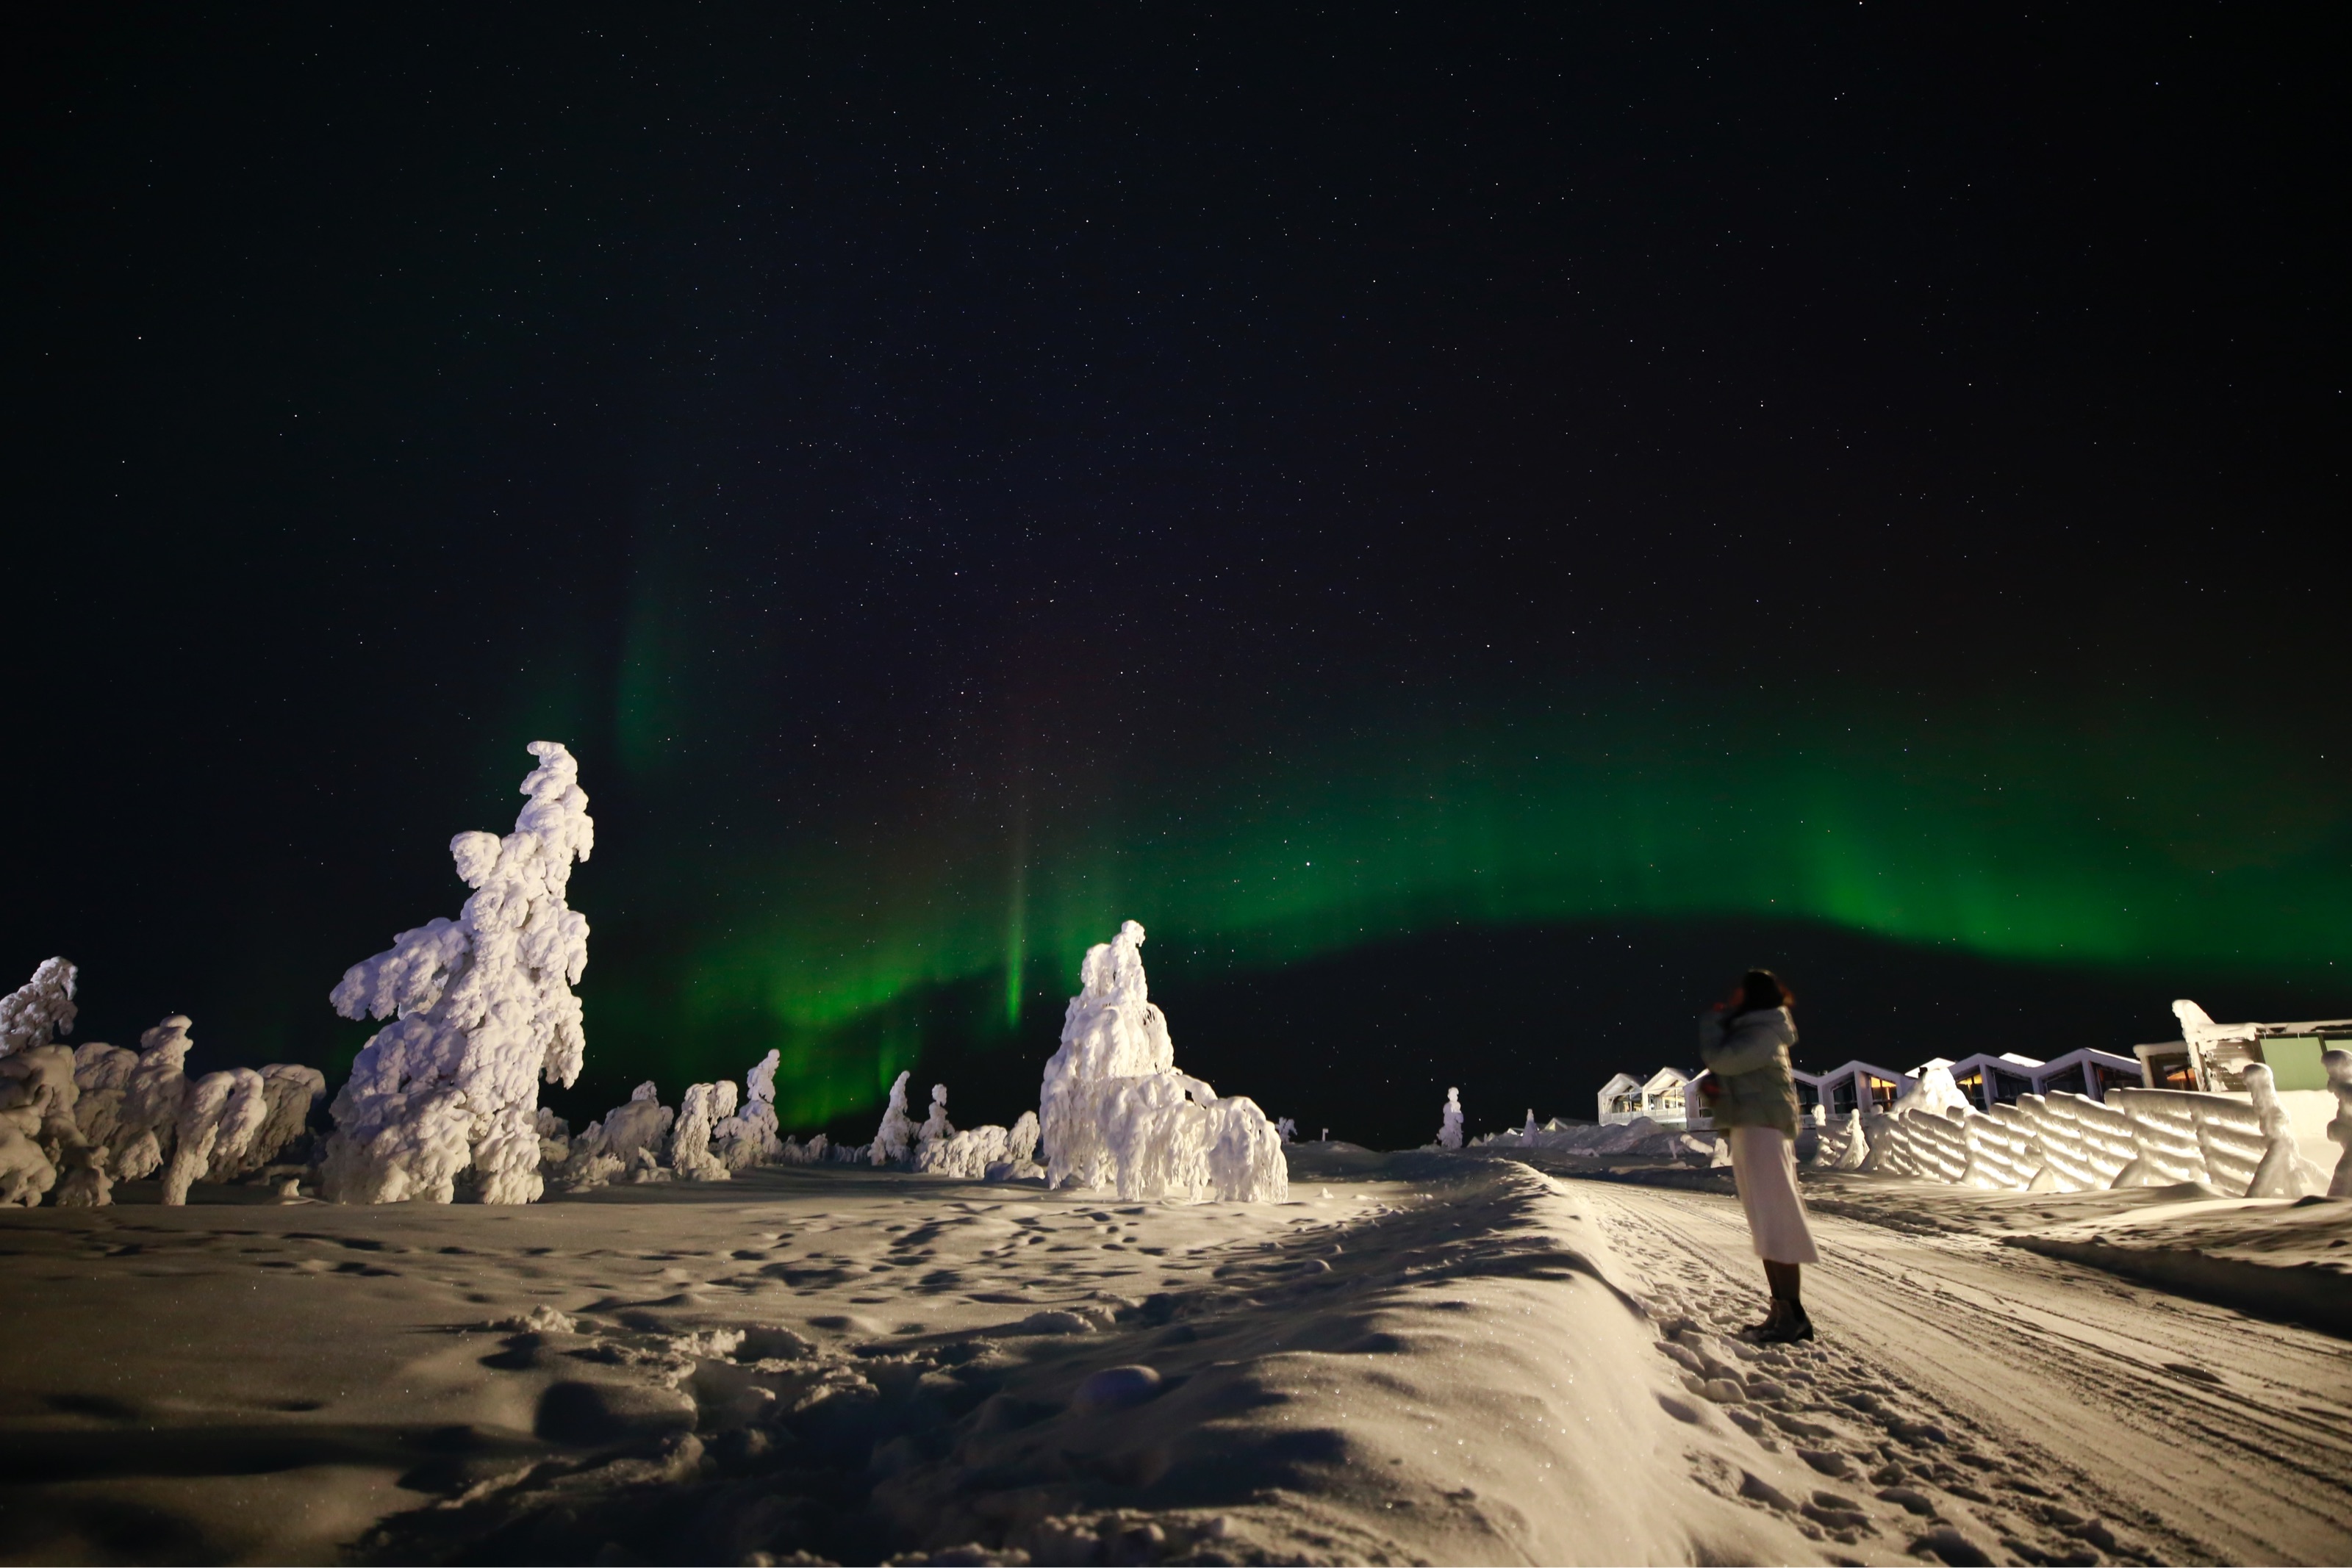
x,y
485,1013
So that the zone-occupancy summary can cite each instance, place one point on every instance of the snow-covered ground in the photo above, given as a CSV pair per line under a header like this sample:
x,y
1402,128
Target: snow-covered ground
x,y
1440,1357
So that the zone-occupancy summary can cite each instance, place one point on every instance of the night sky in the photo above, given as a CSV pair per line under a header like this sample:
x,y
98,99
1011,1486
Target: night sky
x,y
1474,525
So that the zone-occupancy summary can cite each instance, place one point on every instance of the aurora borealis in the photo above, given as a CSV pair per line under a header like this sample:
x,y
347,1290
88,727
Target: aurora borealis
x,y
1473,530
2017,843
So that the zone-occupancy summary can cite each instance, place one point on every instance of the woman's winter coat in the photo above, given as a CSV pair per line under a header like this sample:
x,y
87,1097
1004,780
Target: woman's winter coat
x,y
1749,1055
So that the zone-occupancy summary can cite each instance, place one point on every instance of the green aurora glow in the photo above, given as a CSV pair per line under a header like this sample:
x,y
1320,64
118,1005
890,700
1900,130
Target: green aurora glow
x,y
2121,842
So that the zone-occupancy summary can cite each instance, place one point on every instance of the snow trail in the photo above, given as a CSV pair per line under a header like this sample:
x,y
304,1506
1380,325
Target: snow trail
x,y
2189,1432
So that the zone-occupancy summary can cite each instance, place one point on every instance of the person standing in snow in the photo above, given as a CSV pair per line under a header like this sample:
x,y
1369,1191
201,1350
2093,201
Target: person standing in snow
x,y
1748,1087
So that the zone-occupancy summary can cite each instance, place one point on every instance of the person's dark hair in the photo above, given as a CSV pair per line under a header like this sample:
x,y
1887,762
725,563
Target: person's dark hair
x,y
1762,988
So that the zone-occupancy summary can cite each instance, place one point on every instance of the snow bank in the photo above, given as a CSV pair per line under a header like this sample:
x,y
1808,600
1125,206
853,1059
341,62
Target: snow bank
x,y
1449,1131
891,1139
41,1007
1114,1109
1640,1139
484,1012
2067,1142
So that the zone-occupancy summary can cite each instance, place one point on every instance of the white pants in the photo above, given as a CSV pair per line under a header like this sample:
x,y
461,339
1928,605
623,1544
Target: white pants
x,y
1764,1166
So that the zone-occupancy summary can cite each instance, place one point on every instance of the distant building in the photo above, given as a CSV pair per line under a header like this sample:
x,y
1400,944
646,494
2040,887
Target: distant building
x,y
1662,1097
2214,1057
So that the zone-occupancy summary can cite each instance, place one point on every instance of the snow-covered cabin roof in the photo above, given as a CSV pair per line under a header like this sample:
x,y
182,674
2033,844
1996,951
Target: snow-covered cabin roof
x,y
1851,1068
2198,1028
1666,1077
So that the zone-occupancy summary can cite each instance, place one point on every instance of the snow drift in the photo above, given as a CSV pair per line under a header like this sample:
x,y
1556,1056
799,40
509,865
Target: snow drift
x,y
485,1013
1113,1108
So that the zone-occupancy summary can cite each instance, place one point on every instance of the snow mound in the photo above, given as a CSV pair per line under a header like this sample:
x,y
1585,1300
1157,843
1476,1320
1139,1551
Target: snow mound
x,y
1114,1109
485,1013
1449,1134
42,1006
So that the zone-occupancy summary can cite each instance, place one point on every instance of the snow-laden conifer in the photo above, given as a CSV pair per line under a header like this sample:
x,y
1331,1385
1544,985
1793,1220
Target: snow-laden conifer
x,y
486,1013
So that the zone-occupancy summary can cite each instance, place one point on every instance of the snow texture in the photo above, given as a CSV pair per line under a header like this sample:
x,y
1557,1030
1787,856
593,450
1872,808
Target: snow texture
x,y
2340,1130
1114,1109
896,1132
484,1010
1449,1134
41,1007
704,1107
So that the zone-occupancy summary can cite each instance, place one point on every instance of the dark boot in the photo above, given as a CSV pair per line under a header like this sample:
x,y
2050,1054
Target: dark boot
x,y
1786,1325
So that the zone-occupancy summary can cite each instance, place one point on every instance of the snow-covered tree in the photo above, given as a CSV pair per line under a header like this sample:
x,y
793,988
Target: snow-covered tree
x,y
1449,1131
40,1009
704,1107
936,1126
1113,1108
749,1138
222,1112
486,1013
898,1129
